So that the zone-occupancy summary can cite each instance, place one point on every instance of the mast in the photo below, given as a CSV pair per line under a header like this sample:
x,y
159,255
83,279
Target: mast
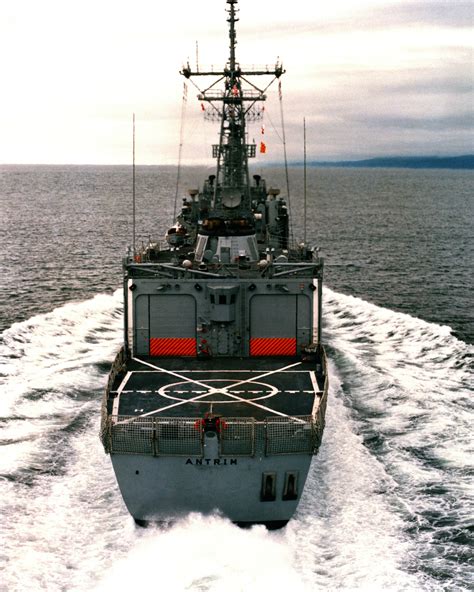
x,y
234,105
232,35
232,163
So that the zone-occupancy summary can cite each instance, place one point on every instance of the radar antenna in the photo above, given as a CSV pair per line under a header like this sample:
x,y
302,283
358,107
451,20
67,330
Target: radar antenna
x,y
234,106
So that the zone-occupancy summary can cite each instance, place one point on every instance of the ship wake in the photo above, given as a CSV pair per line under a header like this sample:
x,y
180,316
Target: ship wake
x,y
386,505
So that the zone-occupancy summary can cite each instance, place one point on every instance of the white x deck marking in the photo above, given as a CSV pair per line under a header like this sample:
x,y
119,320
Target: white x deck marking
x,y
212,390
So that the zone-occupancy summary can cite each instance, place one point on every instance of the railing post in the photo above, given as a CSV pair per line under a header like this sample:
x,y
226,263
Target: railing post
x,y
154,436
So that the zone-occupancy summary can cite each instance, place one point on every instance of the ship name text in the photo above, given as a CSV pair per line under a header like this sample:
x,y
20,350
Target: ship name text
x,y
211,461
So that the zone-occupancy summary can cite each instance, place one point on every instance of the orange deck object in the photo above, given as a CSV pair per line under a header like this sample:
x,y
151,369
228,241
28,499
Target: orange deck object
x,y
172,346
273,346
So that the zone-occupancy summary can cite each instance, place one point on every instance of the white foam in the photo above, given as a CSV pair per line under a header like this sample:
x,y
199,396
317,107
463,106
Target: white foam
x,y
49,351
347,533
424,366
409,386
207,553
45,361
71,531
61,530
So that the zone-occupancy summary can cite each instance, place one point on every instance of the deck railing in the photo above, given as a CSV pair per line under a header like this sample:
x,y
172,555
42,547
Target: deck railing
x,y
237,436
161,436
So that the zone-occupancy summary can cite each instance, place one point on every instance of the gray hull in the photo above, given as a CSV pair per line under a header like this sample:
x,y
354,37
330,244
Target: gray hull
x,y
166,489
250,469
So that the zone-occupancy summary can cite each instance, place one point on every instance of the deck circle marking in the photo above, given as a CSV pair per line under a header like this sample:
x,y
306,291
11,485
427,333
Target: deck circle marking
x,y
225,390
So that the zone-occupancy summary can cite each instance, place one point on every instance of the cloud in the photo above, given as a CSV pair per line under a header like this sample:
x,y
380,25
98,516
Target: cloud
x,y
372,113
436,13
390,15
369,75
452,123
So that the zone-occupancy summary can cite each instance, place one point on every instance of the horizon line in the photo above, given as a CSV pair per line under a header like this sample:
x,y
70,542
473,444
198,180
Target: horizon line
x,y
293,162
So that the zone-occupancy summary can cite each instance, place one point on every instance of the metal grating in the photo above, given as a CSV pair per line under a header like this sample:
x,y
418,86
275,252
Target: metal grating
x,y
318,433
251,150
105,426
178,437
289,435
132,436
155,436
237,436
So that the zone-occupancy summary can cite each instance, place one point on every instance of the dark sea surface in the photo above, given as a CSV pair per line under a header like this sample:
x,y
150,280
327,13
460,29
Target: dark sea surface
x,y
389,501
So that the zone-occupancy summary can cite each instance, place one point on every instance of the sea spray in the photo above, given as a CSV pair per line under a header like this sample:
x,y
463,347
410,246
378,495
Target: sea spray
x,y
368,517
408,384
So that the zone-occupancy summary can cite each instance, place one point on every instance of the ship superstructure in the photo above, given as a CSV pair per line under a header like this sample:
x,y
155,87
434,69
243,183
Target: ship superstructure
x,y
216,401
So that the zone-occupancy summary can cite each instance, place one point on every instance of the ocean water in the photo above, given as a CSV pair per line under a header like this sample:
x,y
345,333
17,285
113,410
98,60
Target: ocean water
x,y
389,500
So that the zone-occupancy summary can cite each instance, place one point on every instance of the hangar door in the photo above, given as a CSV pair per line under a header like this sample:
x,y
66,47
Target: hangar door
x,y
165,325
278,324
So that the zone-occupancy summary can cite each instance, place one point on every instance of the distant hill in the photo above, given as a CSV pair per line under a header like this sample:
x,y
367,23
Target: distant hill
x,y
406,162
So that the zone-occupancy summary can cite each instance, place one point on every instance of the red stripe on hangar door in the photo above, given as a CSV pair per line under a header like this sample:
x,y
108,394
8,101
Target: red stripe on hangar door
x,y
172,346
273,346
273,322
172,325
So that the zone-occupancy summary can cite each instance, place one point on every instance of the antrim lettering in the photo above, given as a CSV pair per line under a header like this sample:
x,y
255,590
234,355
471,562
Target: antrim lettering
x,y
211,461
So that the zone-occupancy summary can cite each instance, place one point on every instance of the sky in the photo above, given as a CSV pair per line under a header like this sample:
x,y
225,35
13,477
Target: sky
x,y
370,77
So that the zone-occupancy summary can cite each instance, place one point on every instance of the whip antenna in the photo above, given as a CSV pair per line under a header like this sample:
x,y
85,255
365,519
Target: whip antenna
x,y
180,152
286,159
304,181
133,184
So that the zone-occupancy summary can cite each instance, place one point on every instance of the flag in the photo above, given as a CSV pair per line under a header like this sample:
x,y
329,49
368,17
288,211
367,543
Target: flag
x,y
202,107
263,148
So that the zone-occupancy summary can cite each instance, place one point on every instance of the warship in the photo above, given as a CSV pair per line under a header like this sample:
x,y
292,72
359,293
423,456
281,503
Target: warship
x,y
216,400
